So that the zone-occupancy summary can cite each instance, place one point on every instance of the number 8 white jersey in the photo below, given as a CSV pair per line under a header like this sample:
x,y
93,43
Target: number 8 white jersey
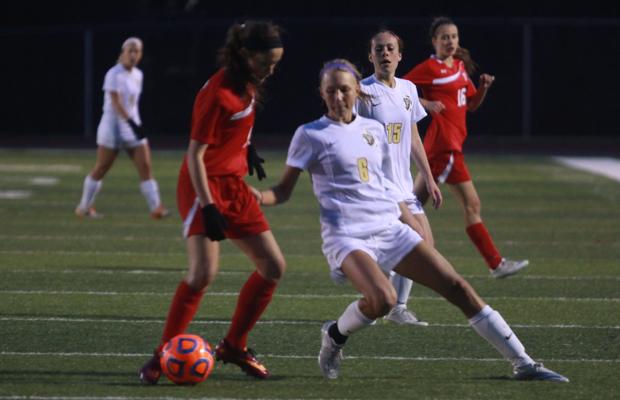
x,y
397,109
350,170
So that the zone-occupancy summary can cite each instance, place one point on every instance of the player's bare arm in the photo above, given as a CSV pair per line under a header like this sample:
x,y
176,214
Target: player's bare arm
x,y
283,190
484,84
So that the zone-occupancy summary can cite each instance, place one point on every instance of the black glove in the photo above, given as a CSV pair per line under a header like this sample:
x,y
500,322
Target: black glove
x,y
137,129
214,222
254,163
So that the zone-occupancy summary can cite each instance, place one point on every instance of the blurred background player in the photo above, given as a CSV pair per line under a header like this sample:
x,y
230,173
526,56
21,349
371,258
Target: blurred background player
x,y
394,102
348,159
214,201
121,127
448,94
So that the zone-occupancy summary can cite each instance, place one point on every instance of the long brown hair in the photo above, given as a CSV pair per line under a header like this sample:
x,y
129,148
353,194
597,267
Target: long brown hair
x,y
461,53
242,40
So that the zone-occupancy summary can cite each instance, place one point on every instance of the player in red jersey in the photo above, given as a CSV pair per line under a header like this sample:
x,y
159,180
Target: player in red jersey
x,y
214,201
448,94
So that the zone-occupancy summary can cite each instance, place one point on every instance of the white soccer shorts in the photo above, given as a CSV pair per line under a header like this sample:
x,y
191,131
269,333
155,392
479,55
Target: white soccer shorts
x,y
114,133
387,248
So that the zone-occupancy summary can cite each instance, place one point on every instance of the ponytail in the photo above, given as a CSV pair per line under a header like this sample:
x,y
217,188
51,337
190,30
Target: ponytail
x,y
470,65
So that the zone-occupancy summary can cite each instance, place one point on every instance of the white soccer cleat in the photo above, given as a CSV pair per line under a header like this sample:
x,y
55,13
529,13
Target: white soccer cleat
x,y
330,354
508,267
537,372
403,316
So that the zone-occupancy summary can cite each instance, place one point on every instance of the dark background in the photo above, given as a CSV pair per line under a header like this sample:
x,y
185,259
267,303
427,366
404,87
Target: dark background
x,y
573,93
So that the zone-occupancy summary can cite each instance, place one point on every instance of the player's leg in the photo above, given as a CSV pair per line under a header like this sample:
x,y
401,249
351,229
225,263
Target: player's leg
x,y
203,256
419,189
378,297
428,267
141,157
94,180
400,314
467,196
254,297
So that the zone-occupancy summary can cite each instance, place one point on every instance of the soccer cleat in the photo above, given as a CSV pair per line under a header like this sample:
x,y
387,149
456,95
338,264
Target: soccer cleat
x,y
90,213
160,212
403,316
508,267
245,359
537,372
330,354
151,370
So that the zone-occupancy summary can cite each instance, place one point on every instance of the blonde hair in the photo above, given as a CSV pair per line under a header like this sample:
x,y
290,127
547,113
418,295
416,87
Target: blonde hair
x,y
132,40
341,64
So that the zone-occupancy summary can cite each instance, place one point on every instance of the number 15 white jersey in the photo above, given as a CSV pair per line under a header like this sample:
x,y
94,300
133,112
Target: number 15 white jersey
x,y
397,108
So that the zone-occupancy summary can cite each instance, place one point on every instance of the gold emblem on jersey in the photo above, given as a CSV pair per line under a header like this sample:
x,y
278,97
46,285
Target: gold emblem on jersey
x,y
408,102
370,139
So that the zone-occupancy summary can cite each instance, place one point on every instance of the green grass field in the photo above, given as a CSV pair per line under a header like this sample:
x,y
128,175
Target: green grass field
x,y
82,303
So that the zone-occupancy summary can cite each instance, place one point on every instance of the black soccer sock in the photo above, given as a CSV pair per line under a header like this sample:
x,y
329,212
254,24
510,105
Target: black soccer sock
x,y
335,334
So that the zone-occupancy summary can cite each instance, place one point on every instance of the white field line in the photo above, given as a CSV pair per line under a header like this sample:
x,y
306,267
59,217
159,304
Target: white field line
x,y
166,238
272,322
112,271
304,357
40,168
15,194
608,167
150,398
292,296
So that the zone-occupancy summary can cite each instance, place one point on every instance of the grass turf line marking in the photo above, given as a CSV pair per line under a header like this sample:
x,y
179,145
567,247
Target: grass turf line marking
x,y
40,168
15,194
275,322
605,166
292,296
112,271
308,357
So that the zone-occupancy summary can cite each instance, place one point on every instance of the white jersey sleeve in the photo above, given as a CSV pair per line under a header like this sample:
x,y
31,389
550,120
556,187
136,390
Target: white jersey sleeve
x,y
417,113
300,152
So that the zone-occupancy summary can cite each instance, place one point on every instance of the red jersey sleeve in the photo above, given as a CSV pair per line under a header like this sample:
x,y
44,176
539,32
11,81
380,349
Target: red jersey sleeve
x,y
206,116
421,75
471,88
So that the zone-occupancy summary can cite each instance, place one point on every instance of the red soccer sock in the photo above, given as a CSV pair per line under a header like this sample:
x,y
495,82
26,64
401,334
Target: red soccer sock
x,y
182,310
254,298
480,236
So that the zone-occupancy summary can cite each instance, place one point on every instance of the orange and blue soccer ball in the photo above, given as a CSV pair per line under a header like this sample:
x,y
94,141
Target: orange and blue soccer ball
x,y
187,359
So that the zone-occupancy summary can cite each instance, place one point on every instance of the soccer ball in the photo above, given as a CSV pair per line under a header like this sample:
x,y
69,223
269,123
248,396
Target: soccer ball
x,y
187,359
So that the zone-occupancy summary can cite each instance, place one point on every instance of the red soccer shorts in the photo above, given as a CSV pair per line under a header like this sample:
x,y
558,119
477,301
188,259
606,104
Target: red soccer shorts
x,y
234,200
449,167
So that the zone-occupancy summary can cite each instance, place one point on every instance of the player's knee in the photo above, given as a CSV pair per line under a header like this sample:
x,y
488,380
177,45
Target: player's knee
x,y
199,278
381,302
472,207
273,270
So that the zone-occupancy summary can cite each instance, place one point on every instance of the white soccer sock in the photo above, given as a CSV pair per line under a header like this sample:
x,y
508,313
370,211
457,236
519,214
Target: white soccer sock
x,y
150,191
489,324
352,320
403,288
90,188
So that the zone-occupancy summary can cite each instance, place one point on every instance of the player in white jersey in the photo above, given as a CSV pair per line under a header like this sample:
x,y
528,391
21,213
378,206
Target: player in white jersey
x,y
363,238
121,127
394,102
